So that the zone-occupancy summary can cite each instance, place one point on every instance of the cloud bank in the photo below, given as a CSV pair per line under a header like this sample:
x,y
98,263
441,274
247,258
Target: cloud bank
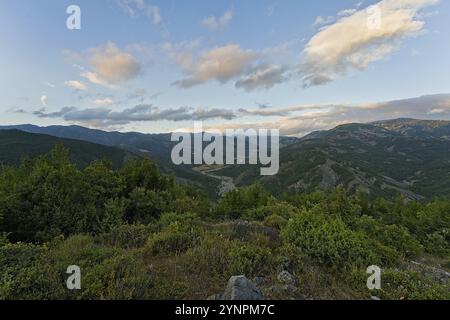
x,y
359,38
104,117
295,120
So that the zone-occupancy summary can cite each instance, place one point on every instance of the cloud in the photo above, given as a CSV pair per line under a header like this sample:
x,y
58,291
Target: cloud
x,y
220,64
323,117
352,43
44,100
96,79
250,69
295,120
104,102
105,117
49,84
111,66
58,114
135,7
105,65
77,85
265,76
346,12
217,23
322,21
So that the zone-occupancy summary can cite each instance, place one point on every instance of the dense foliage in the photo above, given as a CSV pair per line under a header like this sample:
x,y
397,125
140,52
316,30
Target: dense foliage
x,y
137,234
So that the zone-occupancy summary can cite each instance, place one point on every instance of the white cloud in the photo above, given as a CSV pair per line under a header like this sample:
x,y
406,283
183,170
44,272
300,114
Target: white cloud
x,y
44,100
77,85
216,23
111,66
322,21
346,12
135,7
221,64
350,44
104,102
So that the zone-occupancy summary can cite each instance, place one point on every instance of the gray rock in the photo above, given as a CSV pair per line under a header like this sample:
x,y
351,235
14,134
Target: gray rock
x,y
215,297
258,281
286,292
287,278
375,298
241,288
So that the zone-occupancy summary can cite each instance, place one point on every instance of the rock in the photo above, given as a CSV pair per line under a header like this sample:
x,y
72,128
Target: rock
x,y
241,288
215,297
258,281
287,278
285,291
375,298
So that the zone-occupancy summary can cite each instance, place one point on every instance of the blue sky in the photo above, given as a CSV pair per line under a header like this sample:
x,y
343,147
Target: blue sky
x,y
154,66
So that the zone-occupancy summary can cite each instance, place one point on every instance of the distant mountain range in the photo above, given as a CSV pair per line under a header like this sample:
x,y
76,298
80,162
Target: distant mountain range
x,y
386,158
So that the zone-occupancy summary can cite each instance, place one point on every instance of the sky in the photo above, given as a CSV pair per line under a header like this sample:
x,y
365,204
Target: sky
x,y
158,66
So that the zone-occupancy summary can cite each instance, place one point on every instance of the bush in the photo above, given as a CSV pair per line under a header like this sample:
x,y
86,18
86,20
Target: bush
x,y
275,221
173,239
437,244
236,202
249,260
282,209
122,277
127,236
210,258
181,218
328,240
396,237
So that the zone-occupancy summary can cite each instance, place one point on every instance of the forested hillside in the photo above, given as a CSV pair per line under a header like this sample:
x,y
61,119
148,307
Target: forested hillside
x,y
137,234
410,159
15,145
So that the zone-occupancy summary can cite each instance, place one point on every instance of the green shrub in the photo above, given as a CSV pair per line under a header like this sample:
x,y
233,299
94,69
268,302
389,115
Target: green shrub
x,y
396,237
281,209
181,218
173,239
237,202
328,240
127,236
407,285
437,244
275,221
122,277
249,260
210,258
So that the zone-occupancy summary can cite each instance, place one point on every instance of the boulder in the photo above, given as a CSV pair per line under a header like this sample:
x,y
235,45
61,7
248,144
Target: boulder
x,y
241,288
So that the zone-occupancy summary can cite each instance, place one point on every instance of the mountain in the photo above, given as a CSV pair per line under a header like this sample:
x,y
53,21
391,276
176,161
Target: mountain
x,y
385,158
156,147
16,144
432,129
404,157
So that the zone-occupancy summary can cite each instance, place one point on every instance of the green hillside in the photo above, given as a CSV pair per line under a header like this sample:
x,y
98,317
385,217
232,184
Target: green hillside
x,y
137,234
15,145
364,157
